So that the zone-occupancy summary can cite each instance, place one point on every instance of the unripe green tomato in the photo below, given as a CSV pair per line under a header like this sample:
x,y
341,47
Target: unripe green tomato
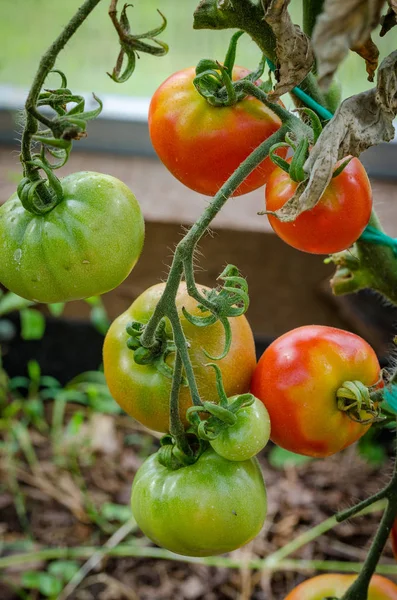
x,y
248,436
85,246
208,508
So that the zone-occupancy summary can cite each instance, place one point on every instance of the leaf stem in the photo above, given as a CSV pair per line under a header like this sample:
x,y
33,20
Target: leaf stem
x,y
47,62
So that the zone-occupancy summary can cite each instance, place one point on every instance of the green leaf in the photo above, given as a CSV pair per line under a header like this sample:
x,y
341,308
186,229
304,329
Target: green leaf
x,y
75,423
64,570
116,512
99,319
56,309
47,584
34,371
280,458
10,302
32,324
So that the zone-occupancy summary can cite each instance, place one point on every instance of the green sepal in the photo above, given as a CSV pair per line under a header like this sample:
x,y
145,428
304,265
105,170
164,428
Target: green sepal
x,y
341,167
296,171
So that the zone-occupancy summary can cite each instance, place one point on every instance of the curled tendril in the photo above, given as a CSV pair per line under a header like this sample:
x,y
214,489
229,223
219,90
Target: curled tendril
x,y
132,44
231,300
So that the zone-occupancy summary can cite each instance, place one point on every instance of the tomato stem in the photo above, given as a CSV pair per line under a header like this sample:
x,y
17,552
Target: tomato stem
x,y
359,588
47,62
366,266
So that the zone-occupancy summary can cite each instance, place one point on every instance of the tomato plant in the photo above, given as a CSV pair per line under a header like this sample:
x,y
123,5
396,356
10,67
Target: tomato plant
x,y
200,144
85,246
210,507
248,436
338,219
143,391
333,585
297,378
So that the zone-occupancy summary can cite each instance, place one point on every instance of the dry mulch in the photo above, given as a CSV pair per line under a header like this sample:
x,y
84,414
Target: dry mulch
x,y
64,495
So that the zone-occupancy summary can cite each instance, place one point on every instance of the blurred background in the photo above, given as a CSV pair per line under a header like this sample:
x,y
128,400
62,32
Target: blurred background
x,y
56,497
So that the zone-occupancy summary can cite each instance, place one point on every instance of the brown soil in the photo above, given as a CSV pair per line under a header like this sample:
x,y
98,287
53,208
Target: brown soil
x,y
98,466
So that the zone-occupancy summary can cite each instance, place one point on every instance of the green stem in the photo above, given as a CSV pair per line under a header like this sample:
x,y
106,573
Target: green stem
x,y
46,64
131,550
166,306
248,16
311,10
368,266
359,589
177,429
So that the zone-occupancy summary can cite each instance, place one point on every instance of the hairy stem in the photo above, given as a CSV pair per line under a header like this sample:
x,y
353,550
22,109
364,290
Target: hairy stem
x,y
46,64
368,266
177,429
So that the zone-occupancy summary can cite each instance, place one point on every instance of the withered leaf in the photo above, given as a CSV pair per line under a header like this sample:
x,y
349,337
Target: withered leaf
x,y
390,18
360,122
344,24
370,53
293,48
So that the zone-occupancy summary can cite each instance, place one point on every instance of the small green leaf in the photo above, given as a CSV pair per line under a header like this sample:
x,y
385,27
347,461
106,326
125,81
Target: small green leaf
x,y
56,309
280,458
116,512
75,423
64,570
10,302
47,584
32,324
34,371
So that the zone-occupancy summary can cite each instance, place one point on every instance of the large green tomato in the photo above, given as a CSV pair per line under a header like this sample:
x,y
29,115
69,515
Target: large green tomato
x,y
249,434
210,507
85,246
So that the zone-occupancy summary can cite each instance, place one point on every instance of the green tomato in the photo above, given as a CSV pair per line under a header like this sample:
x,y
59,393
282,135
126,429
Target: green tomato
x,y
85,246
248,436
210,507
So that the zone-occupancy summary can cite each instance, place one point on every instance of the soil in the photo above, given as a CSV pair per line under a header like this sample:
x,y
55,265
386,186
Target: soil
x,y
76,473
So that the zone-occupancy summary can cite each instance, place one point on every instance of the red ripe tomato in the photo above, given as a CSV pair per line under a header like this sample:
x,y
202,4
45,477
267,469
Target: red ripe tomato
x,y
394,538
335,223
333,585
202,145
297,378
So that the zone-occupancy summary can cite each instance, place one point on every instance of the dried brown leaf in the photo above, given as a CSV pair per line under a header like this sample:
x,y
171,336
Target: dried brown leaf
x,y
370,53
360,122
344,24
293,48
389,20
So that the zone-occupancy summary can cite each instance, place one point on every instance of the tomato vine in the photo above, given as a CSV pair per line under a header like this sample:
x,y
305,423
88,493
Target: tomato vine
x,y
372,263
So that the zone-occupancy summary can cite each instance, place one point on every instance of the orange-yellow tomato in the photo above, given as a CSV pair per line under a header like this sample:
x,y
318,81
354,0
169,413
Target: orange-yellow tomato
x,y
144,392
297,378
202,145
333,585
335,223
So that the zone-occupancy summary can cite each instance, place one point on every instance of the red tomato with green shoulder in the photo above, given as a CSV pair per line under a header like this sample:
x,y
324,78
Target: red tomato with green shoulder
x,y
210,507
333,585
202,145
297,379
338,219
143,391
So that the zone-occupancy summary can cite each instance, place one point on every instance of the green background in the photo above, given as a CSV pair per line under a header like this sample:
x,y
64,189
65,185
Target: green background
x,y
29,26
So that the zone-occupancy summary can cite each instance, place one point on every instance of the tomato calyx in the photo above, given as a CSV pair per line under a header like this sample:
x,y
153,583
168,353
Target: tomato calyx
x,y
158,353
221,415
354,399
173,457
214,80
